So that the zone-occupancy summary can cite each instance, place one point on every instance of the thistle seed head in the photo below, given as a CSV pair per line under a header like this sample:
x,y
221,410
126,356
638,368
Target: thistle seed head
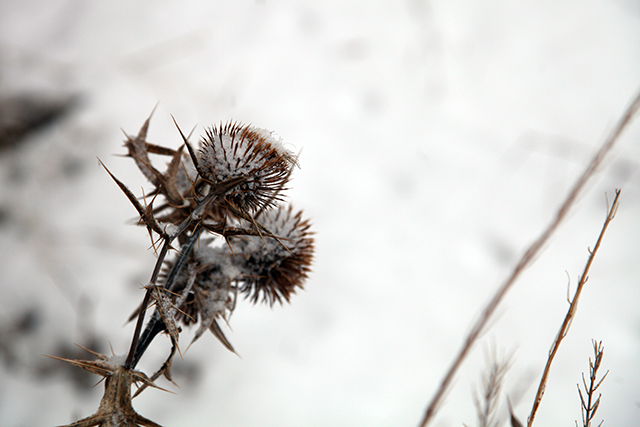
x,y
273,267
253,155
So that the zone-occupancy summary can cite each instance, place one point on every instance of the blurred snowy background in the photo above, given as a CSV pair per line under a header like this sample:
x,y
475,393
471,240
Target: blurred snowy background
x,y
437,140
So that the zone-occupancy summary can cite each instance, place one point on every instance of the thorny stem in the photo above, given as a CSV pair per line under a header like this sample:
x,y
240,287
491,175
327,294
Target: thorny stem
x,y
134,352
526,259
573,308
140,343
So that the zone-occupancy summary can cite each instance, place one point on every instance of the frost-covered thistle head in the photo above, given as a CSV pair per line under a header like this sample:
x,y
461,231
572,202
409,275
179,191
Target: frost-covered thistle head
x,y
273,267
253,155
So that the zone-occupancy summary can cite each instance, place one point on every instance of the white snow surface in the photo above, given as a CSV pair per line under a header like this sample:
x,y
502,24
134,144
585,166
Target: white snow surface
x,y
437,141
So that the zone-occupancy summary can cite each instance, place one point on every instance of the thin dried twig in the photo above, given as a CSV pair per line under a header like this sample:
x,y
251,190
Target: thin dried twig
x,y
573,308
592,404
526,259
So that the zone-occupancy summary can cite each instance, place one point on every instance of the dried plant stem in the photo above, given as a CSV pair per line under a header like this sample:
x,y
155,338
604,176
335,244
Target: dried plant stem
x,y
590,407
573,308
527,258
140,343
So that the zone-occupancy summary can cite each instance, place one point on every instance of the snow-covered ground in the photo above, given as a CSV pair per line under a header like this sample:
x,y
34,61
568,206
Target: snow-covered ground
x,y
436,141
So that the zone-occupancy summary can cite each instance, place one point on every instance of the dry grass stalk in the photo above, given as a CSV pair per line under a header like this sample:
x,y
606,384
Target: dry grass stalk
x,y
488,399
526,259
592,404
573,308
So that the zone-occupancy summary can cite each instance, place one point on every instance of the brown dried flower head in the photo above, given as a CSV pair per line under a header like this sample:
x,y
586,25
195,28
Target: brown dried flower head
x,y
253,155
273,267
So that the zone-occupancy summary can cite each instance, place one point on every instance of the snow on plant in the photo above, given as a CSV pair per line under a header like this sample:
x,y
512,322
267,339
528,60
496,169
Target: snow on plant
x,y
257,155
272,268
219,209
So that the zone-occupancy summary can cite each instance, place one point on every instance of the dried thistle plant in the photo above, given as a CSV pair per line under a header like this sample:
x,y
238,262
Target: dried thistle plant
x,y
220,210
